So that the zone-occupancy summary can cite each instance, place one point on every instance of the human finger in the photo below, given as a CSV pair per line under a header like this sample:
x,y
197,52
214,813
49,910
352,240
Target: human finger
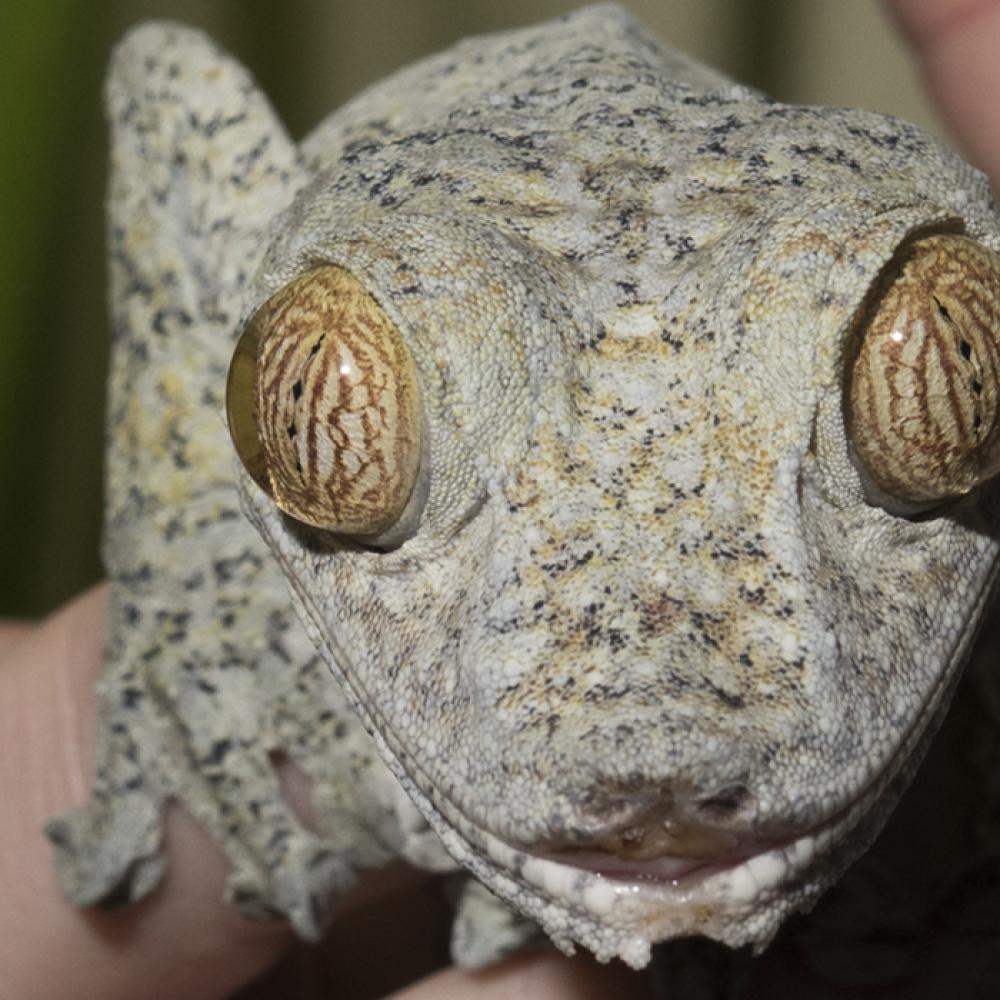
x,y
182,940
958,44
12,631
541,975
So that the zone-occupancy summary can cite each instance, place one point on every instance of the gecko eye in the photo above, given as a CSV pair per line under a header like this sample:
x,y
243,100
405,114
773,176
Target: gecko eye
x,y
324,407
923,394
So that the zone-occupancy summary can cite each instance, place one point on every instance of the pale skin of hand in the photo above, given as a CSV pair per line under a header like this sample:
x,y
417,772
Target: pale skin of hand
x,y
183,940
958,43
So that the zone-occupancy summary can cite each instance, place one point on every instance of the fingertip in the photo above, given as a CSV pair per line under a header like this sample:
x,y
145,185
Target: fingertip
x,y
957,42
12,631
182,939
541,975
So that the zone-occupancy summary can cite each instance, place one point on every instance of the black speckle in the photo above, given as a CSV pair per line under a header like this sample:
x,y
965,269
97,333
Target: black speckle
x,y
162,319
218,752
133,578
729,700
131,697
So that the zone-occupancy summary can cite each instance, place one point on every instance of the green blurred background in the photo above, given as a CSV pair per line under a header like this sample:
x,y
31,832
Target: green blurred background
x,y
309,55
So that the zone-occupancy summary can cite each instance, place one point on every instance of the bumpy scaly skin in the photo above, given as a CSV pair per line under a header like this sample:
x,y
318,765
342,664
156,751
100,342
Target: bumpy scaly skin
x,y
645,582
209,677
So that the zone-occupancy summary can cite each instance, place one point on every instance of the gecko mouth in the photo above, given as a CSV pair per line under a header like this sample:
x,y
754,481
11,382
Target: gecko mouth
x,y
678,854
715,890
667,869
672,859
734,898
662,851
657,890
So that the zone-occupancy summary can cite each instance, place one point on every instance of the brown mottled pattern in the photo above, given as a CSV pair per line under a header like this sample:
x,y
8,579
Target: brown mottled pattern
x,y
338,405
923,398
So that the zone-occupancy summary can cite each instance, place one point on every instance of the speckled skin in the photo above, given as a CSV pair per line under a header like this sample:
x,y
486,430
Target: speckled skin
x,y
646,581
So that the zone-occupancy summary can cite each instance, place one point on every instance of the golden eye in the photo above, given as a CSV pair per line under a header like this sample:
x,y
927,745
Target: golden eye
x,y
922,398
324,406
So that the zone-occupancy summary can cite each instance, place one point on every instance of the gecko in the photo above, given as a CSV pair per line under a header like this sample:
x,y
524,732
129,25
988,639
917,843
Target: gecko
x,y
576,463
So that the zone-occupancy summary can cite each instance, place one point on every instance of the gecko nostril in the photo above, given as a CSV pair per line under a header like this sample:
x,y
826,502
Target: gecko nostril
x,y
638,825
727,803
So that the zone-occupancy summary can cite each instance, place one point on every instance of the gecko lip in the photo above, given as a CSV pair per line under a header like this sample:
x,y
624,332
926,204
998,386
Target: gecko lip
x,y
741,867
753,867
667,868
669,853
666,853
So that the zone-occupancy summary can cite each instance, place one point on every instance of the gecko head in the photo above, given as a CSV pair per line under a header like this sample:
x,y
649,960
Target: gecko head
x,y
630,585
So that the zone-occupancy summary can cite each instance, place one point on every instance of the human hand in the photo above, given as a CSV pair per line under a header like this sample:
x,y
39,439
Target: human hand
x,y
958,45
182,940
